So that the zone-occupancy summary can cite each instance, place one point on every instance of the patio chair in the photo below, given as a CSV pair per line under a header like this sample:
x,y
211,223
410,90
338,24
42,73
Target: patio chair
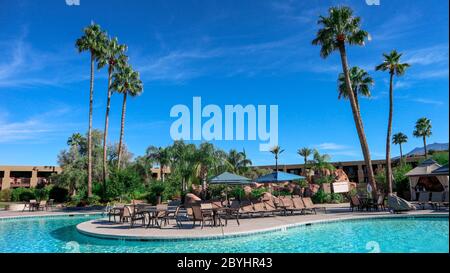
x,y
424,198
202,216
42,205
233,211
133,215
437,199
309,205
31,205
50,204
162,214
380,203
355,203
116,210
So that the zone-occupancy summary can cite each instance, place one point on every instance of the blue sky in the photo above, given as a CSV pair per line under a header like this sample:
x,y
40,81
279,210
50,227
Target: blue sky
x,y
227,52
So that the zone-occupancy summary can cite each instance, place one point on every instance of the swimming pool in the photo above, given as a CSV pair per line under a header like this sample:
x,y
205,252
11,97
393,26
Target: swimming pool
x,y
401,234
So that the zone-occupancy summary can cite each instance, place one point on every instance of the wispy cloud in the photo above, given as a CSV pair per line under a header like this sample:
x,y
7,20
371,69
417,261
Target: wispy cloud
x,y
21,65
330,146
37,127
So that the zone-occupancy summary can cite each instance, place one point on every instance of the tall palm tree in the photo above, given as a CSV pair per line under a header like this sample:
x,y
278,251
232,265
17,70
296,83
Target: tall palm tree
x,y
161,156
183,161
341,28
238,161
112,54
276,151
423,129
392,64
91,41
398,139
305,153
127,82
361,83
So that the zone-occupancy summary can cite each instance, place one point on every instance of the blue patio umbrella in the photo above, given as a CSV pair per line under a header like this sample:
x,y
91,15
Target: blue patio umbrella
x,y
278,177
227,178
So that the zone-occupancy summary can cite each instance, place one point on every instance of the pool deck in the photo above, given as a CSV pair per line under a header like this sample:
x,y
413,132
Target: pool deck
x,y
103,229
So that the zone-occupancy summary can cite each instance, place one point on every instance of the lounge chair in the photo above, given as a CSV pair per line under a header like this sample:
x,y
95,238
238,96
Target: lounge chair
x,y
259,208
287,204
424,198
270,206
298,203
130,213
309,205
437,199
246,208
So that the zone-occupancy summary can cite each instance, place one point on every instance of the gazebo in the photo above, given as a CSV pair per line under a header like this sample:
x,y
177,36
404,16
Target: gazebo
x,y
428,176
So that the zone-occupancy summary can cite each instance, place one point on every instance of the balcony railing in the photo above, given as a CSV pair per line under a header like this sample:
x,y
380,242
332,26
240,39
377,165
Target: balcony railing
x,y
18,182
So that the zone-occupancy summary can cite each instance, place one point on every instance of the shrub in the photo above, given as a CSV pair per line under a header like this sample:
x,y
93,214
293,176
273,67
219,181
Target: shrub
x,y
237,192
22,194
58,194
257,193
123,181
156,190
5,195
42,193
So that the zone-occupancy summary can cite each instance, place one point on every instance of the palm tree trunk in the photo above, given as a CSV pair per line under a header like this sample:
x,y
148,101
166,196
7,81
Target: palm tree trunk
x,y
91,102
401,154
161,172
388,137
122,126
105,132
425,146
358,122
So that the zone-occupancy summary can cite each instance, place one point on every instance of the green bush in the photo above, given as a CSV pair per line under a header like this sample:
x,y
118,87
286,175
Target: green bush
x,y
321,197
5,195
42,193
323,180
237,192
22,194
156,190
121,182
257,193
58,194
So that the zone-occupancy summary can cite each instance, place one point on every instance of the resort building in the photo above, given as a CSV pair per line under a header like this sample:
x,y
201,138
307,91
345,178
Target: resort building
x,y
355,170
25,176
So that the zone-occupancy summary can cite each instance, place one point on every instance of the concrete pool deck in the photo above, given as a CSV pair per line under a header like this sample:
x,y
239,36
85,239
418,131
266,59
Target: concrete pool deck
x,y
102,228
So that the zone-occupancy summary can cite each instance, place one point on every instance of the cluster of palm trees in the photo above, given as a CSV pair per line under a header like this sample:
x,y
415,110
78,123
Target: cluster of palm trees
x,y
422,130
122,79
339,29
189,162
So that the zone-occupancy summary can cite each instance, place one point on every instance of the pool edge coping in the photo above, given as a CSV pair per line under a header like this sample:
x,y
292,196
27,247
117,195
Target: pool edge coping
x,y
250,232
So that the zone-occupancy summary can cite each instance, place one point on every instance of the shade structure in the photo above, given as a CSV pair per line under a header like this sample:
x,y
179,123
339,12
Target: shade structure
x,y
227,178
278,177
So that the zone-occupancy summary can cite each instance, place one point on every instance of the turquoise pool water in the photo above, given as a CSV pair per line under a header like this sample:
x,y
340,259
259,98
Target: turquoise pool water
x,y
58,234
